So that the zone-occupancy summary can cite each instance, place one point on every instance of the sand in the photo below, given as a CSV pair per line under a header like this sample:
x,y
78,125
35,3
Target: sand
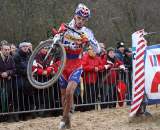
x,y
106,119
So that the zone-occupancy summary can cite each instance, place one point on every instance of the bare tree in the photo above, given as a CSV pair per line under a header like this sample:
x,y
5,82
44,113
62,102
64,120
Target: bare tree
x,y
112,20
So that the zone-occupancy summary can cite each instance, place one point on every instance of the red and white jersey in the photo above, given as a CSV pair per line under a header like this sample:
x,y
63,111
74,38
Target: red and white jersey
x,y
70,39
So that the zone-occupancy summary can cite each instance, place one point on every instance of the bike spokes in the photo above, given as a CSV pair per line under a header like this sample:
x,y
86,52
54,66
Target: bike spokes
x,y
46,65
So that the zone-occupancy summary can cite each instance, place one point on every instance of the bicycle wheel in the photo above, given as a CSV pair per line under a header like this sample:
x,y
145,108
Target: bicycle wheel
x,y
55,60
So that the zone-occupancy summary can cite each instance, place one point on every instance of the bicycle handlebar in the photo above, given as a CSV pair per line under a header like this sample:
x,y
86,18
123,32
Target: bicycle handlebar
x,y
72,29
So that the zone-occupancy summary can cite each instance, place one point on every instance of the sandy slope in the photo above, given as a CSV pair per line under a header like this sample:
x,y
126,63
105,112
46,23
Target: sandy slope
x,y
106,119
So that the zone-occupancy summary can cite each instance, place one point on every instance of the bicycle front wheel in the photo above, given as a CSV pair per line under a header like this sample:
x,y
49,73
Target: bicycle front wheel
x,y
46,57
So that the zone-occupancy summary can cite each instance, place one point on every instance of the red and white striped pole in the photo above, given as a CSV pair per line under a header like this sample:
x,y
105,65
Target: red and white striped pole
x,y
138,46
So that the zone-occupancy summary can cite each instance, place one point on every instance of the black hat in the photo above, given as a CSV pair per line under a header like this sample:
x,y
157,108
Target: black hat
x,y
120,44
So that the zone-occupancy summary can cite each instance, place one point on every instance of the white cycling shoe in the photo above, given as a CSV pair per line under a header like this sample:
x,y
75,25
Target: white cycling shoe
x,y
65,123
62,125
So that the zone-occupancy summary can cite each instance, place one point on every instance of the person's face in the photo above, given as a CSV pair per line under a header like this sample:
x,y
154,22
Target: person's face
x,y
43,51
129,54
24,48
91,52
111,54
6,50
79,21
121,49
30,47
103,49
13,48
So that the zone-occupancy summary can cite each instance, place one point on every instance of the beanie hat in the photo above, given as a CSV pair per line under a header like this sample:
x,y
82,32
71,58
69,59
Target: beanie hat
x,y
22,44
120,44
110,49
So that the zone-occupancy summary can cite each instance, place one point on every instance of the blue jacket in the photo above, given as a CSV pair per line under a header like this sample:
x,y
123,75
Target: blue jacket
x,y
119,55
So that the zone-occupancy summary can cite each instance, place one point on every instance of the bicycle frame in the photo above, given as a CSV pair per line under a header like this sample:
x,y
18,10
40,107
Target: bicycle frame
x,y
59,36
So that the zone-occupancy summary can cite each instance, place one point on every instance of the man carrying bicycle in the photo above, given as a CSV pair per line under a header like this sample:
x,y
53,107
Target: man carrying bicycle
x,y
70,77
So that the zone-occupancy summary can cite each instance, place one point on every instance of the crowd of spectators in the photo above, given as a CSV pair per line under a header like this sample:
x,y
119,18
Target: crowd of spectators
x,y
100,76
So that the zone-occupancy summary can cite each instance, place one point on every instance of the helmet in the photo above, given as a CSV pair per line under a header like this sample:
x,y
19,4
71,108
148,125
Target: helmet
x,y
83,11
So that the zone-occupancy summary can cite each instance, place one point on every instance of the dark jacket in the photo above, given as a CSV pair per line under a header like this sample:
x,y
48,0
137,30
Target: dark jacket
x,y
21,60
7,65
128,62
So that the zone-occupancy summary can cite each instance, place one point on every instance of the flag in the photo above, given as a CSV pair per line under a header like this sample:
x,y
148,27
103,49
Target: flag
x,y
121,92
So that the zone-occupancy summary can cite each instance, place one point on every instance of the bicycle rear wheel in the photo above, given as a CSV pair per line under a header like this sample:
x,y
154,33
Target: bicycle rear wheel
x,y
55,61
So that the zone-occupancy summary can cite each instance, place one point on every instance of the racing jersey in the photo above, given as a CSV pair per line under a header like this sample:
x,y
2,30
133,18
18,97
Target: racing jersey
x,y
73,67
70,39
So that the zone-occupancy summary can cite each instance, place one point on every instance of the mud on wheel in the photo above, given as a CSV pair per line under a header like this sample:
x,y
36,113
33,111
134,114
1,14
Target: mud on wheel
x,y
46,56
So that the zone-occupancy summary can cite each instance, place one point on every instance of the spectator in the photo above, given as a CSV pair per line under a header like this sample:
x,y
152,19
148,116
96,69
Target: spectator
x,y
43,70
30,48
120,51
128,64
41,67
21,59
91,66
3,42
128,58
25,91
112,76
103,54
7,70
13,49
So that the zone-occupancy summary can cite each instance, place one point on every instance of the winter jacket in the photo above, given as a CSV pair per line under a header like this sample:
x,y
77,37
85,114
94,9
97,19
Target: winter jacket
x,y
21,61
89,64
112,76
119,56
40,66
7,65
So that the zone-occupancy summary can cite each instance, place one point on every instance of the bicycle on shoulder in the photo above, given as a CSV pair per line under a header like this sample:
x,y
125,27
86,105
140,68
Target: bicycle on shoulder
x,y
48,59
